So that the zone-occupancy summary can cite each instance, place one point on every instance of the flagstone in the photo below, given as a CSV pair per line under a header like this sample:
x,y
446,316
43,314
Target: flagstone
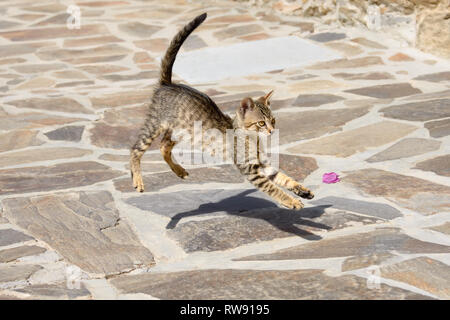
x,y
54,177
83,42
359,262
103,68
154,45
194,42
347,49
348,63
232,19
60,18
237,31
55,291
379,241
54,32
400,57
373,209
158,181
439,165
439,128
364,76
11,61
327,36
42,154
28,16
314,100
83,227
384,91
68,54
47,8
121,98
422,272
38,82
430,95
444,228
10,236
408,147
12,254
368,43
143,75
311,124
435,77
59,104
139,29
10,273
69,133
74,84
8,24
31,120
102,59
38,68
255,36
18,139
419,111
409,192
347,143
255,284
314,85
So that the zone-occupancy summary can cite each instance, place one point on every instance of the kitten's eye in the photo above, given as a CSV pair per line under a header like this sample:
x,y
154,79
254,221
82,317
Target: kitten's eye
x,y
261,123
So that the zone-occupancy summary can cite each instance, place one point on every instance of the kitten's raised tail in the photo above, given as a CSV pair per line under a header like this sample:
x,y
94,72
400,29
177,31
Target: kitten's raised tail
x,y
171,53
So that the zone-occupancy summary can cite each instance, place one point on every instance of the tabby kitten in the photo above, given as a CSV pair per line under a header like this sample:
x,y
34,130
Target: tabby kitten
x,y
177,106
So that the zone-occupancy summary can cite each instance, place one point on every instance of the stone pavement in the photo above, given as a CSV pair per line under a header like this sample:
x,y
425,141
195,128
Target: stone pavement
x,y
71,226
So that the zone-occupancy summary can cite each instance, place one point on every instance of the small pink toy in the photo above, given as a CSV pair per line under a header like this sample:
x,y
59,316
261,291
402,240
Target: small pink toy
x,y
330,177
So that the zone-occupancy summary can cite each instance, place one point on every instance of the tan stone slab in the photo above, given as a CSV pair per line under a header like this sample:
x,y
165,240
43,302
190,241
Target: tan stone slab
x,y
444,228
314,85
439,165
424,273
59,104
357,140
12,254
42,154
84,227
54,33
348,63
413,193
91,41
347,49
67,54
310,124
39,82
18,139
121,98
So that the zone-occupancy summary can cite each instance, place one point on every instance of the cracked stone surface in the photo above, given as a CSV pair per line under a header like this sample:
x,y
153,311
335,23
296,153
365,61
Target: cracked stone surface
x,y
374,111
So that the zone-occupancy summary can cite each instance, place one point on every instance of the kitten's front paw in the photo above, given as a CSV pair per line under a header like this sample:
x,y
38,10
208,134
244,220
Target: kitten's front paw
x,y
303,192
138,184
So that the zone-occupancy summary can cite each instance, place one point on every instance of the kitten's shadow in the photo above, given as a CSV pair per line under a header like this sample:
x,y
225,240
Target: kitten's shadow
x,y
258,208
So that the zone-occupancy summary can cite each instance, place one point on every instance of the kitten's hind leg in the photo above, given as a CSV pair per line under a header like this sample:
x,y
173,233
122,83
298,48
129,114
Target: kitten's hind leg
x,y
149,133
166,150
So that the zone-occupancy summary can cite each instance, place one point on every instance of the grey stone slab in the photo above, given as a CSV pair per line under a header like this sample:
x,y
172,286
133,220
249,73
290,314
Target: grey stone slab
x,y
327,36
409,192
363,261
55,291
10,273
244,227
383,240
69,133
439,165
83,227
55,177
406,148
139,29
314,100
255,284
386,91
435,77
12,254
10,236
364,76
419,111
374,209
444,228
438,128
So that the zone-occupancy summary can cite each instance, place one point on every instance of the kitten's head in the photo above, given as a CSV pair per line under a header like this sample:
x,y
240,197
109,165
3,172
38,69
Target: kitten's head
x,y
255,115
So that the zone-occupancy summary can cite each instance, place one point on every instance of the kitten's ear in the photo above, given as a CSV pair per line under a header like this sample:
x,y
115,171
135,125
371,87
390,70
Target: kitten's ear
x,y
267,97
246,104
